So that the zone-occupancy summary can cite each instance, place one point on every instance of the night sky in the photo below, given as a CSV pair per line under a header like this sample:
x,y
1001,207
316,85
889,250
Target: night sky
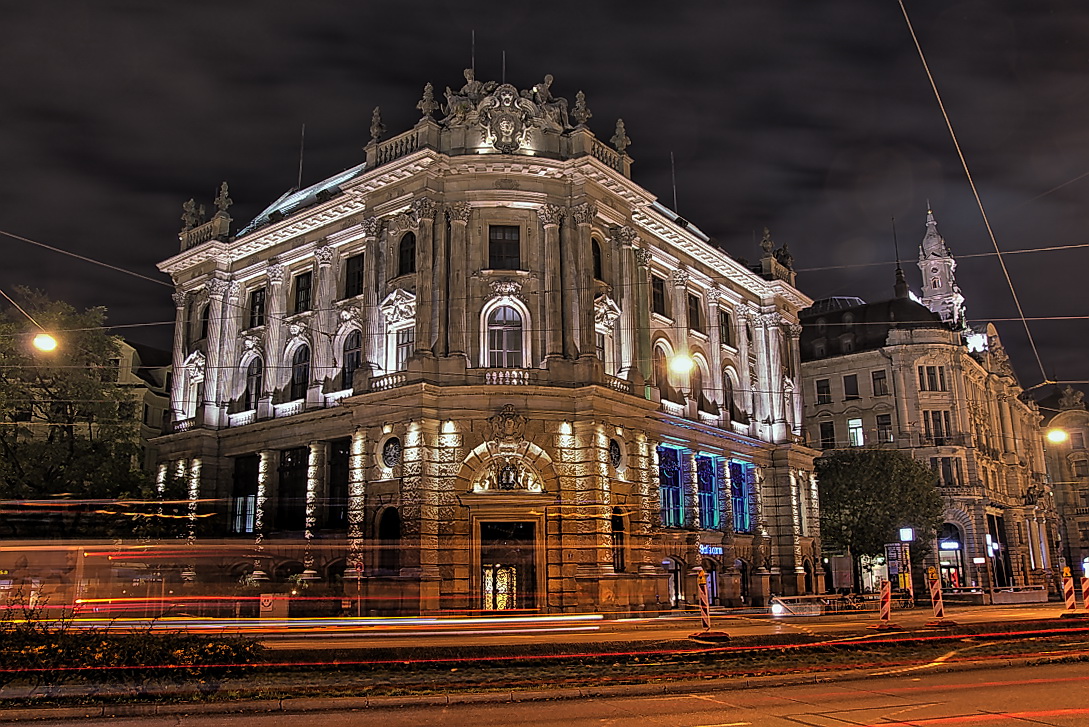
x,y
815,119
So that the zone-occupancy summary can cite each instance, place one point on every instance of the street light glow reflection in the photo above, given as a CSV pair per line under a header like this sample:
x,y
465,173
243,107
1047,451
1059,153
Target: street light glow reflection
x,y
681,364
1057,436
45,342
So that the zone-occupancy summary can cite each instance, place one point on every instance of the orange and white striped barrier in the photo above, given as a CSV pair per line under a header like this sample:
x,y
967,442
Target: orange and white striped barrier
x,y
1068,593
1085,592
886,609
936,599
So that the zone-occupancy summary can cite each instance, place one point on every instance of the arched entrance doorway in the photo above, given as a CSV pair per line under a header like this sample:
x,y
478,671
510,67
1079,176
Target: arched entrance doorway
x,y
712,569
951,556
807,565
742,568
675,569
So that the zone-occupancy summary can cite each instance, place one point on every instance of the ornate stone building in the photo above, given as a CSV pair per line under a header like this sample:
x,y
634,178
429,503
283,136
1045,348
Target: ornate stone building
x,y
443,377
912,375
1066,427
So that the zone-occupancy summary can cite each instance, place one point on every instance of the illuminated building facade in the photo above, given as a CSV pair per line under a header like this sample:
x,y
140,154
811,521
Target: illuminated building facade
x,y
443,376
910,374
1066,434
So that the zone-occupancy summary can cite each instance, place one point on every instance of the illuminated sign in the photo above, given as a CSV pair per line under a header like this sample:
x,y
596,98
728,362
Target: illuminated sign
x,y
710,549
949,545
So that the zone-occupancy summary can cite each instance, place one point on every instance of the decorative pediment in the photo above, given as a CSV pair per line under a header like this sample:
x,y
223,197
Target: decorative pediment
x,y
350,312
506,288
606,311
399,306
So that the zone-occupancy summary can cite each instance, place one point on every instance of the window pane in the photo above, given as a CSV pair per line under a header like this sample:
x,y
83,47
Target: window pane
x,y
302,291
504,247
353,276
854,432
850,386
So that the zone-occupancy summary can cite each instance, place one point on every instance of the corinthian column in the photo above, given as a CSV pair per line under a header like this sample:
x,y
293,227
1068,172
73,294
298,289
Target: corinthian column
x,y
371,316
424,210
217,289
274,329
623,237
459,220
550,216
232,322
569,292
324,320
642,311
584,215
177,395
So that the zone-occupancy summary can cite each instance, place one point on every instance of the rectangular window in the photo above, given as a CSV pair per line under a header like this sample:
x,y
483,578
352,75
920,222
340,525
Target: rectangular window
x,y
854,433
257,307
405,343
824,391
1081,468
336,504
932,378
884,427
850,386
658,295
244,495
828,435
707,490
741,496
937,427
670,490
504,247
353,276
599,345
725,328
880,383
291,493
303,282
695,314
1077,440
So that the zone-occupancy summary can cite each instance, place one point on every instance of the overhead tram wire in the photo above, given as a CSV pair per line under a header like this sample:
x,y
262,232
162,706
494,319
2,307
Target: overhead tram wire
x,y
975,192
84,258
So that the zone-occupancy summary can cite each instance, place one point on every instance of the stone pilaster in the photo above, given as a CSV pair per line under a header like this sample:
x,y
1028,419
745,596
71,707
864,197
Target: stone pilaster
x,y
569,293
276,303
213,372
643,352
232,379
459,261
583,215
177,392
325,357
424,210
552,304
373,334
623,239
690,484
713,332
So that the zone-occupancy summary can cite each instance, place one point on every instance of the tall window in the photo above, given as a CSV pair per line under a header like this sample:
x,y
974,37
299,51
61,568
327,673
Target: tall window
x,y
661,377
599,269
618,540
728,396
257,308
204,313
353,356
303,284
854,433
828,435
336,504
850,386
300,372
353,276
880,383
504,338
406,254
741,496
695,313
658,295
725,328
291,494
884,427
932,378
504,247
244,494
937,426
404,343
707,490
255,380
1077,440
824,391
669,487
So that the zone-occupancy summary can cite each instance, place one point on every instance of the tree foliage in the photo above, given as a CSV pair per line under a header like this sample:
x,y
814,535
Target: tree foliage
x,y
867,495
68,434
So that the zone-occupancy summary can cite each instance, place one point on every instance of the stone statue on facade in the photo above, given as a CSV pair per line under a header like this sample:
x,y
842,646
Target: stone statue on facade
x,y
190,218
581,112
620,139
783,256
1071,398
765,243
427,104
377,127
554,108
222,200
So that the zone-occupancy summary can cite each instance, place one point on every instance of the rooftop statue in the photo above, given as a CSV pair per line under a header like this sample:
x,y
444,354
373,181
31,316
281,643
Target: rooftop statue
x,y
1071,398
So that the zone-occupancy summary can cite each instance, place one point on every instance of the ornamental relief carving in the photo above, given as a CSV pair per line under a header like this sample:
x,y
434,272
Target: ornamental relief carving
x,y
324,255
550,214
253,342
460,211
623,235
583,213
400,305
506,288
643,257
679,277
507,425
350,312
371,226
505,119
275,272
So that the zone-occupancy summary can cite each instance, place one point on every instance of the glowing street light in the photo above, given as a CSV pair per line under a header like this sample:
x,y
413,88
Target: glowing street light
x,y
45,342
681,364
1057,436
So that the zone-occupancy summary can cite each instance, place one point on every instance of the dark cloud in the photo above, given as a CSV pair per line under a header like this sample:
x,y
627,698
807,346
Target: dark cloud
x,y
815,119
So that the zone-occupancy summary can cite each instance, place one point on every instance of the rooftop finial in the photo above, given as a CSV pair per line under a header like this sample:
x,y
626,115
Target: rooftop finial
x,y
377,127
620,139
427,105
222,200
581,112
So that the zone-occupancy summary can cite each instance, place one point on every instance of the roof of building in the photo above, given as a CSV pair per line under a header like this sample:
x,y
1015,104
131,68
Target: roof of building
x,y
863,327
294,200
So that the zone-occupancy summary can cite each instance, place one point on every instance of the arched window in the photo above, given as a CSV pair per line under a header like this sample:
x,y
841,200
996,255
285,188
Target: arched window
x,y
389,541
695,381
728,395
598,268
204,313
300,372
504,338
406,254
618,540
353,356
255,379
661,377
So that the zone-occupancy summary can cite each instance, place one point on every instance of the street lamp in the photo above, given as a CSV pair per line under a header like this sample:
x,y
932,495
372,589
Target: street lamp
x,y
978,561
1057,436
44,342
907,535
681,364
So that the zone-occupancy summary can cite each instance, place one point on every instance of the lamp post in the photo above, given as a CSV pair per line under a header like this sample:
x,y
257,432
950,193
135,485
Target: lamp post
x,y
978,561
907,535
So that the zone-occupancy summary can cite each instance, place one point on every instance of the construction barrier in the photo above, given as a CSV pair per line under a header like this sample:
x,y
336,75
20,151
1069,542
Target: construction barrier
x,y
936,599
705,606
1085,593
1068,593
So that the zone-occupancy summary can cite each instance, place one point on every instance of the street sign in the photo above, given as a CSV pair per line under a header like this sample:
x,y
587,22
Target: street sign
x,y
932,573
266,602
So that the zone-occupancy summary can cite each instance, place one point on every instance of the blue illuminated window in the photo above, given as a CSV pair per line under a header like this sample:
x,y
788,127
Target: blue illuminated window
x,y
741,496
670,490
707,488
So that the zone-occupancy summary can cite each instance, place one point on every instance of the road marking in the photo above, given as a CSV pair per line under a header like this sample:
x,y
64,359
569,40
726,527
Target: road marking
x,y
724,724
935,662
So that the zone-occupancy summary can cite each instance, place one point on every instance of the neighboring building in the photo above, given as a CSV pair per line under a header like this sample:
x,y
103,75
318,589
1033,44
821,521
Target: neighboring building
x,y
910,376
146,371
1068,467
444,372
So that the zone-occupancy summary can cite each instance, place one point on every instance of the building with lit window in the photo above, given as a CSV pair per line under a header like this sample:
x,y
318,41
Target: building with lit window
x,y
908,373
1066,436
448,376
